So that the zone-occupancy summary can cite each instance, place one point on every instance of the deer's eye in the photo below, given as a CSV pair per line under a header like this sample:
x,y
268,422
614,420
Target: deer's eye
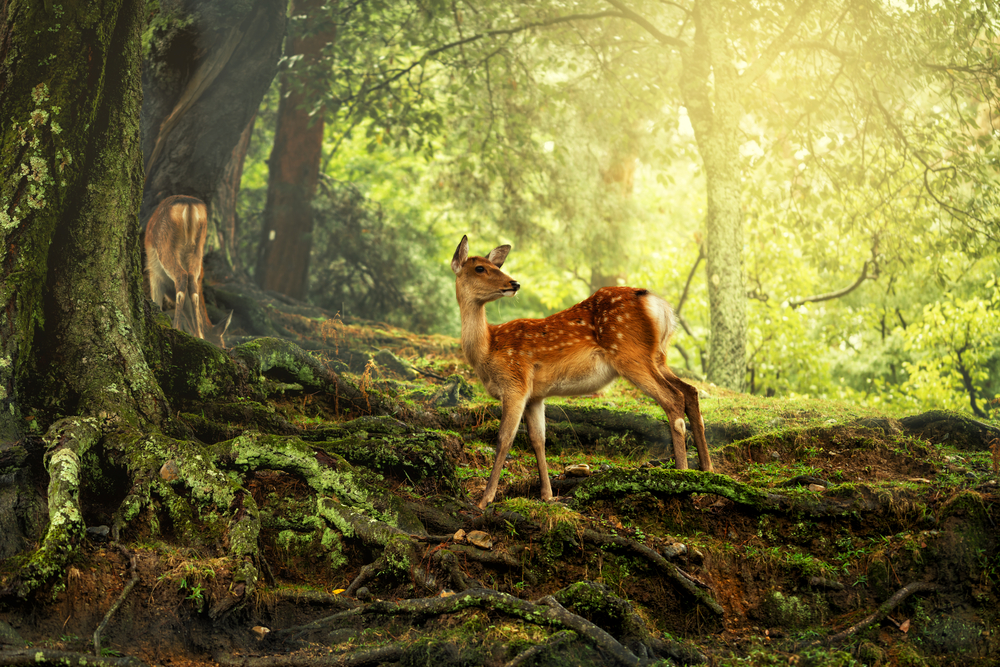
x,y
480,269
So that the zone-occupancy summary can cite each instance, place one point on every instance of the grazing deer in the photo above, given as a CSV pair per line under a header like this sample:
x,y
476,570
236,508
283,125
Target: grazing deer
x,y
175,244
617,331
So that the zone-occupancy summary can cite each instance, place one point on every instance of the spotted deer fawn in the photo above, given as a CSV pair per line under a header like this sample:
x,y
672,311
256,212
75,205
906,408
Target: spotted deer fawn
x,y
617,331
175,244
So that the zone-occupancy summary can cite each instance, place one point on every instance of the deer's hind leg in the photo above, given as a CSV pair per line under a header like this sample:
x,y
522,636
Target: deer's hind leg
x,y
670,398
692,408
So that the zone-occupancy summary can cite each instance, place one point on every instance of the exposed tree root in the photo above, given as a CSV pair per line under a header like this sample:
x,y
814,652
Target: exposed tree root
x,y
286,361
67,441
367,573
585,628
550,644
628,627
38,657
884,610
849,500
133,580
548,611
378,656
688,583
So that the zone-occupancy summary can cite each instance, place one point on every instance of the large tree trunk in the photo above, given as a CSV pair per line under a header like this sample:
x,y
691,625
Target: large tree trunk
x,y
72,327
73,334
286,243
224,202
715,119
210,64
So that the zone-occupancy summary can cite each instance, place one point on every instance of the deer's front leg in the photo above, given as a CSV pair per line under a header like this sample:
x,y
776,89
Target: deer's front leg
x,y
512,407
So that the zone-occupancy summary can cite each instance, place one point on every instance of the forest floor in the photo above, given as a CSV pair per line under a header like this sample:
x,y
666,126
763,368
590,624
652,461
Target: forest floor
x,y
829,535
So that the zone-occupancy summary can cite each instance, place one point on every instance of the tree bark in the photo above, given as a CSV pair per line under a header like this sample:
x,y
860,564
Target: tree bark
x,y
286,241
223,209
715,112
72,326
209,65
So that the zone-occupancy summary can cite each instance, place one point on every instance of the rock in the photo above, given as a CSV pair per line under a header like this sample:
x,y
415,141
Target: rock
x,y
480,539
98,533
170,471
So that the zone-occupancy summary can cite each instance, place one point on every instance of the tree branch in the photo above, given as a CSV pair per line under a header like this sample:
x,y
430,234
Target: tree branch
x,y
569,18
687,284
777,45
646,25
836,294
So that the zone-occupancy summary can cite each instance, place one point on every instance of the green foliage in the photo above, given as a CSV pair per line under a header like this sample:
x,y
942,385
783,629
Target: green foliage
x,y
869,180
363,267
955,347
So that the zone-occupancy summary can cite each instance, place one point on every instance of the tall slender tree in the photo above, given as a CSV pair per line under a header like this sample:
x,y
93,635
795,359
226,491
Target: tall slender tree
x,y
283,265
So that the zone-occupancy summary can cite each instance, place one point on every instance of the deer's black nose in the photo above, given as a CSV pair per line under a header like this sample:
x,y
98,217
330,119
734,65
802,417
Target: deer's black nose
x,y
514,285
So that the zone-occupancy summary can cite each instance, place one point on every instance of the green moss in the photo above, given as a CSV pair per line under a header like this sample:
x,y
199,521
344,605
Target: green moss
x,y
668,482
789,611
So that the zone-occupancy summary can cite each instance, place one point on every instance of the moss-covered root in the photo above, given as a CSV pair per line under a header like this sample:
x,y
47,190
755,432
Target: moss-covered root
x,y
845,499
39,657
400,554
244,531
546,612
286,361
620,618
67,441
205,505
669,482
682,579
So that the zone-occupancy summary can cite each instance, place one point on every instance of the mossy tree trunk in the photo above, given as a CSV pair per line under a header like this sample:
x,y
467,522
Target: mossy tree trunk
x,y
73,331
72,328
711,94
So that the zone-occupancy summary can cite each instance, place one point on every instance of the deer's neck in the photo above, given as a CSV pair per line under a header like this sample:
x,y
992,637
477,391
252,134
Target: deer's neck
x,y
476,333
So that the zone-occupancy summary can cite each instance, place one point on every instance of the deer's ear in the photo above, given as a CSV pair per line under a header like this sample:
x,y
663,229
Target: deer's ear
x,y
461,254
498,255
